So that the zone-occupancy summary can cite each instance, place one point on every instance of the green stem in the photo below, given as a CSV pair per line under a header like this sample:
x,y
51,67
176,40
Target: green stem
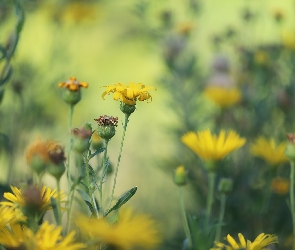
x,y
58,203
90,187
119,158
184,219
104,165
211,180
221,215
70,192
292,205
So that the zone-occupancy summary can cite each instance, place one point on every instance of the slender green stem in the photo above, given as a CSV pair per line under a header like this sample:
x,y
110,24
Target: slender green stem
x,y
103,173
119,157
221,215
90,186
184,218
70,192
210,198
58,202
292,205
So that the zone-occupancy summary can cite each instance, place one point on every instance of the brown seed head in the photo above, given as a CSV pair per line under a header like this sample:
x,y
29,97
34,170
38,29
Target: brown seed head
x,y
105,120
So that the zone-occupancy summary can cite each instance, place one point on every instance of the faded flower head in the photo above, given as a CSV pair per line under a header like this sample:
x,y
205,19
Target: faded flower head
x,y
280,185
107,126
260,243
212,147
269,151
129,94
82,138
128,232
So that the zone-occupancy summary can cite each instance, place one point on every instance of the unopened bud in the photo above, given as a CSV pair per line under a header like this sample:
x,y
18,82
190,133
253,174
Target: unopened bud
x,y
225,185
180,176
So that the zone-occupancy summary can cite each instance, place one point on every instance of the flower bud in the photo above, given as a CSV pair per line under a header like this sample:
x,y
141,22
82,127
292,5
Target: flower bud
x,y
56,167
126,108
107,126
225,185
290,148
82,138
71,97
38,165
180,176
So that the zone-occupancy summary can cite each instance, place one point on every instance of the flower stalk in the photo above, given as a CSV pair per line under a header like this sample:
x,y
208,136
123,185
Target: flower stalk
x,y
210,198
221,216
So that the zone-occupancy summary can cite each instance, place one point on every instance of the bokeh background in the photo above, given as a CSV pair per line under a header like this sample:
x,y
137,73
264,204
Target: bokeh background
x,y
105,42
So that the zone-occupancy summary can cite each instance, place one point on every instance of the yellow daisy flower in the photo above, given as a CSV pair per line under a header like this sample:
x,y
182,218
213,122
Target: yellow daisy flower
x,y
261,241
129,94
72,84
9,216
47,237
224,97
212,147
18,199
130,231
268,150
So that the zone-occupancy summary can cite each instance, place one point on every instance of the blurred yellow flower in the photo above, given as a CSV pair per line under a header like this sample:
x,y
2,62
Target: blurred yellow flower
x,y
261,241
18,199
224,97
280,185
72,84
268,150
9,216
261,57
129,94
212,147
47,237
129,231
288,39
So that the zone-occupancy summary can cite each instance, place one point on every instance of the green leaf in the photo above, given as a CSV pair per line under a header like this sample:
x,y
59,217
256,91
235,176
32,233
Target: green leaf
x,y
7,74
91,208
84,195
96,153
123,199
55,209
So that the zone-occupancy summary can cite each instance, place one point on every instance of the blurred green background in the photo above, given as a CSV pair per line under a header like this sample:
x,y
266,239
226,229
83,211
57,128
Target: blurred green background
x,y
106,42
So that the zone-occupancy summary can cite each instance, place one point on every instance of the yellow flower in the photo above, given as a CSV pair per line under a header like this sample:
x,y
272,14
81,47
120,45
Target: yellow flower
x,y
48,237
261,241
288,39
9,216
268,150
211,147
224,97
280,185
129,94
130,231
17,199
72,84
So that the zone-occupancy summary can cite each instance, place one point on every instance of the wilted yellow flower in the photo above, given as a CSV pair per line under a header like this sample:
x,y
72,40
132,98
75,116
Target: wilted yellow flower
x,y
72,84
17,199
47,237
261,241
280,185
212,147
268,150
129,94
129,231
224,97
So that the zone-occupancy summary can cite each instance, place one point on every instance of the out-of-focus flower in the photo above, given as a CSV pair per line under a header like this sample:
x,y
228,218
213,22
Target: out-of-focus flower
x,y
261,57
129,94
269,151
47,237
82,138
225,185
290,148
185,28
224,97
10,216
129,231
180,176
72,90
260,243
40,154
212,147
23,198
96,141
288,39
280,185
278,14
